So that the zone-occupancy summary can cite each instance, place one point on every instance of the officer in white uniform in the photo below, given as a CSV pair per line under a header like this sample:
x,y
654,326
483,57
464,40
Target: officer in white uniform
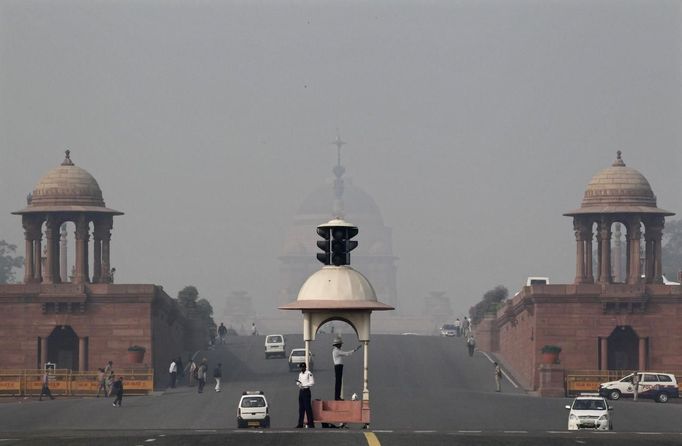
x,y
304,382
337,356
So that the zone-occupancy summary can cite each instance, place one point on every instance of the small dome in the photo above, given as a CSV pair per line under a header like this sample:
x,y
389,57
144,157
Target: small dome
x,y
67,188
337,287
619,189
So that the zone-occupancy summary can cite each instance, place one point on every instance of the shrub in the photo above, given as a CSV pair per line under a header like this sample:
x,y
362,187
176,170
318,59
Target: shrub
x,y
136,348
551,349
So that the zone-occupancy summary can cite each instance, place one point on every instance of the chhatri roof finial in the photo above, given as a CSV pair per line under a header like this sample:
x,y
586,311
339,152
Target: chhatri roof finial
x,y
67,161
619,160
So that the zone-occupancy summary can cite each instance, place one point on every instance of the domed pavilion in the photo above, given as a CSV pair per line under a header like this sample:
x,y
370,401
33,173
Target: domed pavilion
x,y
603,326
67,193
82,323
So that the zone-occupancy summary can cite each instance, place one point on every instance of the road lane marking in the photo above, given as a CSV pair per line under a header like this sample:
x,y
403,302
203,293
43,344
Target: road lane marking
x,y
372,439
424,432
648,433
150,440
469,432
382,431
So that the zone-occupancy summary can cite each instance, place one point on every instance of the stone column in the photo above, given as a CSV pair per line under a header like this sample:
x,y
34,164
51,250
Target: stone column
x,y
589,275
37,255
657,236
634,236
51,236
43,352
63,260
82,236
604,359
617,254
29,262
365,371
642,353
580,250
604,251
82,352
97,254
106,250
648,256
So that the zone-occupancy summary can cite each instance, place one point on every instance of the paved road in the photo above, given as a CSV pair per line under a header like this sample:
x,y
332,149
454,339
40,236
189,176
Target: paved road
x,y
418,384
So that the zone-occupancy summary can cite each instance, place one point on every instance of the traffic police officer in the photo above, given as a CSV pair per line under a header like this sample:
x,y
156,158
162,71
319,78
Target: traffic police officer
x,y
304,382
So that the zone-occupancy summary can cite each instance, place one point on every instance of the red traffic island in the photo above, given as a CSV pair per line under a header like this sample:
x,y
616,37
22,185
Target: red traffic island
x,y
341,411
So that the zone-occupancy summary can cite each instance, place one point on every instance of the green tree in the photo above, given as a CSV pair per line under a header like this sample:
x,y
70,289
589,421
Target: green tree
x,y
672,249
8,262
491,301
205,308
188,296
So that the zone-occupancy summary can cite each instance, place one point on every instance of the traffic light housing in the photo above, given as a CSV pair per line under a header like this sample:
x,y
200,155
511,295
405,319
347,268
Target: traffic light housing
x,y
337,243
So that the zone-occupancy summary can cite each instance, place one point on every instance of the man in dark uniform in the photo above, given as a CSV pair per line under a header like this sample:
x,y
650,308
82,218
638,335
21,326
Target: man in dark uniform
x,y
304,382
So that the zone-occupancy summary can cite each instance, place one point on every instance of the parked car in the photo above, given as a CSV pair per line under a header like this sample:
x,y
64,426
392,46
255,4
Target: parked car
x,y
275,346
589,411
253,410
297,356
654,385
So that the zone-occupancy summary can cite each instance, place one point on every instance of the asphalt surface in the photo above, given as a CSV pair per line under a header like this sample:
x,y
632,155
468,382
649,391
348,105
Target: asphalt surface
x,y
423,389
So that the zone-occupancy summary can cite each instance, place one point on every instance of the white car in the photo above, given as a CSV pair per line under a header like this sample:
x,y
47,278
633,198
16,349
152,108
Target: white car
x,y
448,330
253,410
654,385
297,356
275,346
590,411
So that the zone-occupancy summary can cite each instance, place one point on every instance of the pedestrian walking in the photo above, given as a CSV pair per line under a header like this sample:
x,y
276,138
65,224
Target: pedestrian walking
x,y
498,377
337,357
118,389
201,375
305,407
458,327
109,377
217,375
102,380
471,344
173,373
222,332
45,388
254,330
466,326
110,383
635,384
191,372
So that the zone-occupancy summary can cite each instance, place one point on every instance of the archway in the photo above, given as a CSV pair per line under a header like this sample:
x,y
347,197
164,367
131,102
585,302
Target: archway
x,y
62,347
623,351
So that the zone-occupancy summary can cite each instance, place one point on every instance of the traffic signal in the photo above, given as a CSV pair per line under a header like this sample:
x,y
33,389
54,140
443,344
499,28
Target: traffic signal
x,y
324,245
337,243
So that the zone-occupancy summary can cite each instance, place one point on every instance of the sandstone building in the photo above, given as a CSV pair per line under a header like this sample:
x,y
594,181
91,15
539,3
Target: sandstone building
x,y
606,319
82,322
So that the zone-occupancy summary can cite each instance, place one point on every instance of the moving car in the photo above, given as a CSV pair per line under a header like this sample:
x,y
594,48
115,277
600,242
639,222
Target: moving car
x,y
448,330
297,356
275,346
654,385
253,410
590,411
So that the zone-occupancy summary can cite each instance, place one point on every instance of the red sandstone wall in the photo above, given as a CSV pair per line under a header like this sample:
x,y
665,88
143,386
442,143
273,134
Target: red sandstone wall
x,y
517,347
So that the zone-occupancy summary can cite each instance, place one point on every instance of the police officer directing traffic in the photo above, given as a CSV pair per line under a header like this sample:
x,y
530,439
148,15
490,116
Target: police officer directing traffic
x,y
304,382
337,356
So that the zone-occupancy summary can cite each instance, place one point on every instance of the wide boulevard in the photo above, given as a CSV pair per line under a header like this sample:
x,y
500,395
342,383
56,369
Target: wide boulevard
x,y
424,390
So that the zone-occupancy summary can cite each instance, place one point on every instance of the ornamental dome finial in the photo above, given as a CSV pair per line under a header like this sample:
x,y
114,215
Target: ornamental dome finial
x,y
619,160
67,160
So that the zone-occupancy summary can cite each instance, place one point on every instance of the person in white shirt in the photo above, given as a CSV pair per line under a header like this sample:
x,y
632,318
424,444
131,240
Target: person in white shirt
x,y
173,372
458,327
337,357
304,382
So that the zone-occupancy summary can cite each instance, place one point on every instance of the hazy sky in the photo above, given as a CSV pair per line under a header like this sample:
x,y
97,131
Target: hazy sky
x,y
473,124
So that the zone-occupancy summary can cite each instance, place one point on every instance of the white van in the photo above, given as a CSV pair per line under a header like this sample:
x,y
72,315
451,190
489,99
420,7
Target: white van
x,y
275,346
537,281
653,385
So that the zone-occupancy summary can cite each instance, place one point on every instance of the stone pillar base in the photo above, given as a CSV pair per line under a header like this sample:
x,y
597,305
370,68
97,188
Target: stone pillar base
x,y
552,381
